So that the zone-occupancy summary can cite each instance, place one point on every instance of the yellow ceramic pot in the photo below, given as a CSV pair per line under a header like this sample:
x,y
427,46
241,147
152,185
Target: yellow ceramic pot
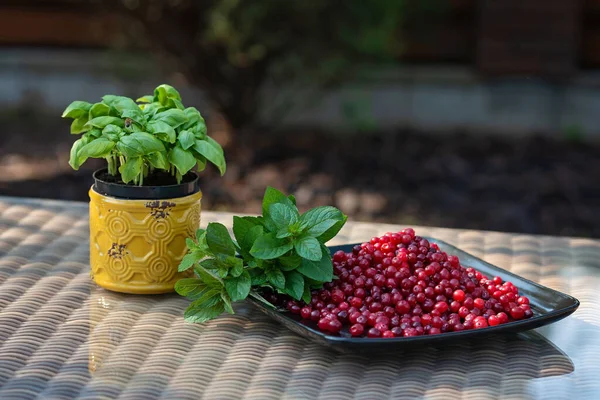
x,y
137,245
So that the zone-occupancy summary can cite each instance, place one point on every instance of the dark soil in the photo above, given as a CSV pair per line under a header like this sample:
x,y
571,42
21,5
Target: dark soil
x,y
157,178
530,185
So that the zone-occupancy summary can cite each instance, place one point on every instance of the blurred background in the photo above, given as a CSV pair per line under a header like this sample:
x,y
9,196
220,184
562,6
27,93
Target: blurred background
x,y
477,114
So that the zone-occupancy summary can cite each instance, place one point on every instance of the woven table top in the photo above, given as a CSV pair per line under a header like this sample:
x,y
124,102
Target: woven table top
x,y
62,337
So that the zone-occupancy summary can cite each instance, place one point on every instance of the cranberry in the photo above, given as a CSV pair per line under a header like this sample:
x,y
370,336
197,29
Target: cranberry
x,y
357,330
493,320
517,313
374,333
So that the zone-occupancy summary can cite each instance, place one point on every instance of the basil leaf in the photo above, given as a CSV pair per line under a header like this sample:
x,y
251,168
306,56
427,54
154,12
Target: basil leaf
x,y
164,92
162,130
294,284
80,125
130,147
189,287
276,278
131,169
238,288
95,133
308,247
212,154
321,270
102,122
204,310
186,139
193,117
182,159
136,115
145,99
267,247
150,110
283,215
218,239
112,132
76,109
99,110
173,117
120,103
147,142
98,148
158,160
75,160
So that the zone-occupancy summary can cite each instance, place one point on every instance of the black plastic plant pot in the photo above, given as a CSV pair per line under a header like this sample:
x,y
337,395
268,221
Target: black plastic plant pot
x,y
102,185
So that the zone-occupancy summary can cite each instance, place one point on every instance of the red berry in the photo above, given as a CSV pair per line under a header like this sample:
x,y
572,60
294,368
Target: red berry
x,y
357,330
305,312
374,333
493,320
517,313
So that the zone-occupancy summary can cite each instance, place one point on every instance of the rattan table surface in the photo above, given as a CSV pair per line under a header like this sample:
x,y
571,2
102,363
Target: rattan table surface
x,y
62,337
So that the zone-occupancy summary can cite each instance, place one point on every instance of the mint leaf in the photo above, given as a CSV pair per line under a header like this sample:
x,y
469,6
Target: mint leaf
x,y
308,247
283,215
200,235
273,196
290,262
292,198
258,277
188,261
321,270
333,231
294,284
218,239
189,286
238,288
241,226
319,214
204,310
283,233
276,278
206,276
227,303
306,295
321,227
267,247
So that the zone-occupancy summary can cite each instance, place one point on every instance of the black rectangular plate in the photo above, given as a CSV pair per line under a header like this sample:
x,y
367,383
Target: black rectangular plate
x,y
548,306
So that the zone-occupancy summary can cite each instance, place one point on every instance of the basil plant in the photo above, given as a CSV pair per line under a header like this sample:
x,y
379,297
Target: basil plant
x,y
155,132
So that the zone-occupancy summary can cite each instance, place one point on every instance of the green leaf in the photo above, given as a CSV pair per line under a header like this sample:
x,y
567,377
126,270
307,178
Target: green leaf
x,y
321,270
150,110
173,117
112,132
130,147
95,133
308,247
241,226
120,103
333,231
206,276
238,288
202,311
273,196
165,92
200,131
76,109
292,198
283,215
214,144
211,153
131,169
258,277
200,235
75,160
200,163
290,262
158,160
321,227
283,233
97,148
136,115
249,239
267,247
193,118
186,139
147,142
218,239
306,296
145,99
182,159
189,287
99,110
162,130
102,122
227,303
276,278
294,284
188,261
80,125
237,268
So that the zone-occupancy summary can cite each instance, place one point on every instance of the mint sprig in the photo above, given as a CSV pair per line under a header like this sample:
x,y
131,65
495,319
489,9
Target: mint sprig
x,y
280,250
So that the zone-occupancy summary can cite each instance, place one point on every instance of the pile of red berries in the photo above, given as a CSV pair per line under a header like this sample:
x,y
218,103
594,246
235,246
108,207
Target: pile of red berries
x,y
400,285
